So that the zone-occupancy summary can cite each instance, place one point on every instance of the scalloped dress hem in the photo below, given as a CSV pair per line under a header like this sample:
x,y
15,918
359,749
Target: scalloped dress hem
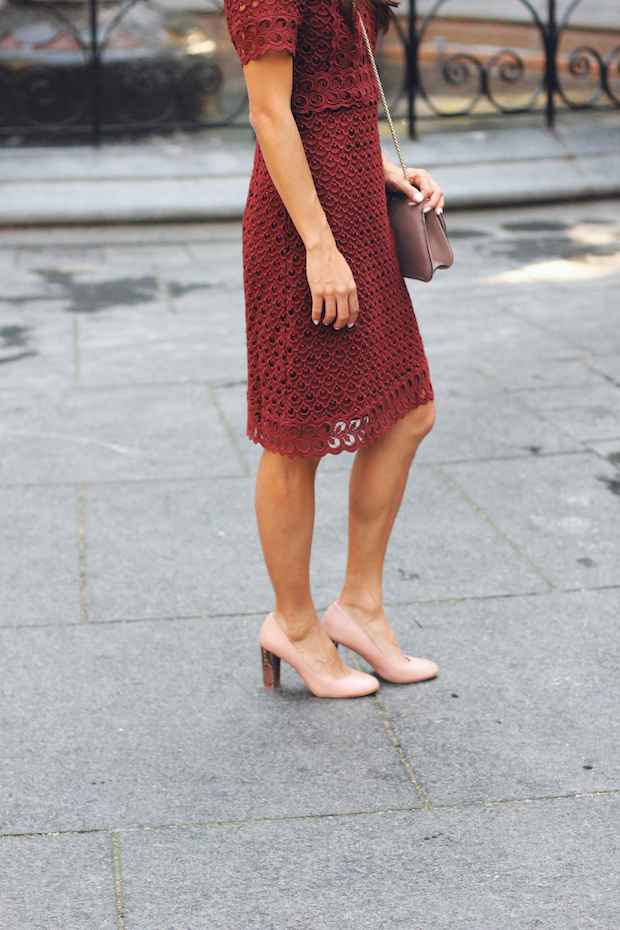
x,y
341,436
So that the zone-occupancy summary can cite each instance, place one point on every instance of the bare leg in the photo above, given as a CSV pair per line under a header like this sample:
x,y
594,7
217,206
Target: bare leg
x,y
378,481
285,516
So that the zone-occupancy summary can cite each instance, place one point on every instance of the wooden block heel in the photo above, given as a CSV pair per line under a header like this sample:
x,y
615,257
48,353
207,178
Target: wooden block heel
x,y
271,669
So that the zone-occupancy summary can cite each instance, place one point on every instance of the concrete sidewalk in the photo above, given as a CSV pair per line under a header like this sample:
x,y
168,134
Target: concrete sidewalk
x,y
204,177
147,781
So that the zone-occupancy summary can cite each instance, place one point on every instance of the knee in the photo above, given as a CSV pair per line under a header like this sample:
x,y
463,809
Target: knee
x,y
418,424
287,477
427,418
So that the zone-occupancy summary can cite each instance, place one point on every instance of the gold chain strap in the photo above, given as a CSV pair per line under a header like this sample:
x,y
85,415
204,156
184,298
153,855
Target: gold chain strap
x,y
382,92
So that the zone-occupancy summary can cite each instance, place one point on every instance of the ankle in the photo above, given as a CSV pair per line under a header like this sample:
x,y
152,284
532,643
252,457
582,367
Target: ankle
x,y
297,625
362,608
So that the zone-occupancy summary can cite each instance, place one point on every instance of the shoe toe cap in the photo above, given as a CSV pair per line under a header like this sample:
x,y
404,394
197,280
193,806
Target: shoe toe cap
x,y
364,681
422,668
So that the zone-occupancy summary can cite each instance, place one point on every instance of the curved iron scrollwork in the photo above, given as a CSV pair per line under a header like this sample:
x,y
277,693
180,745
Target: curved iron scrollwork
x,y
588,64
505,68
35,95
502,81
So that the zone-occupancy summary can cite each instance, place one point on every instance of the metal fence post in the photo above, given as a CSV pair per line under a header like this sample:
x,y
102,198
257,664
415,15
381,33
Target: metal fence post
x,y
95,72
412,70
551,62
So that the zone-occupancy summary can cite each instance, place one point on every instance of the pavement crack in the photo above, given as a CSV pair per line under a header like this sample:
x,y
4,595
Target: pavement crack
x,y
118,881
163,289
300,818
321,608
601,374
229,432
396,743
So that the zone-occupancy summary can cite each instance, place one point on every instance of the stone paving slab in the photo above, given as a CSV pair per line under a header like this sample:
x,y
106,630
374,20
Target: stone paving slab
x,y
39,568
169,256
57,881
222,260
173,549
569,315
592,415
562,513
478,326
523,705
550,864
205,342
168,723
131,432
521,372
536,359
36,349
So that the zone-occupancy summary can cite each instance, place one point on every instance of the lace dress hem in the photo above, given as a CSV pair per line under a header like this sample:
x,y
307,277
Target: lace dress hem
x,y
342,435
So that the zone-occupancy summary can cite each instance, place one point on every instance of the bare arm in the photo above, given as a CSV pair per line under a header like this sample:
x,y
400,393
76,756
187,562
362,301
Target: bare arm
x,y
269,80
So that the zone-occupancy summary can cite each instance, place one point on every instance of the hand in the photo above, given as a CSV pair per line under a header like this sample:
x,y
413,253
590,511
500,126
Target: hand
x,y
332,286
421,186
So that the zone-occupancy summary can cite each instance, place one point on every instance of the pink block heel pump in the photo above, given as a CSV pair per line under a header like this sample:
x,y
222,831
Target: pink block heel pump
x,y
341,628
276,645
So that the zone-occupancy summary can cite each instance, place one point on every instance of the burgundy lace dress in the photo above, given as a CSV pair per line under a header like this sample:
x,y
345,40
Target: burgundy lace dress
x,y
313,390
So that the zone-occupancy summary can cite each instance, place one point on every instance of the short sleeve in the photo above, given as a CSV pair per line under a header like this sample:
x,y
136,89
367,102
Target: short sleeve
x,y
255,26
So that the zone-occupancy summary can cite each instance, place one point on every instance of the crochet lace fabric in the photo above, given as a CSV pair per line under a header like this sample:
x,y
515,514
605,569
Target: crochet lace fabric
x,y
313,390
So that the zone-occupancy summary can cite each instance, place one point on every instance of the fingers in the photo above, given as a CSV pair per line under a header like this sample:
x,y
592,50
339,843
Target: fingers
x,y
331,310
354,309
416,195
421,180
428,188
342,307
317,308
341,310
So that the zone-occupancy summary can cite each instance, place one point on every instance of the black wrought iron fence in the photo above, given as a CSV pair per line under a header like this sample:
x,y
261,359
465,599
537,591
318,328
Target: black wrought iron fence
x,y
556,66
76,67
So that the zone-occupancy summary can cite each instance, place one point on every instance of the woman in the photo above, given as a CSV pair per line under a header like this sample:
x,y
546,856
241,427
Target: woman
x,y
335,358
